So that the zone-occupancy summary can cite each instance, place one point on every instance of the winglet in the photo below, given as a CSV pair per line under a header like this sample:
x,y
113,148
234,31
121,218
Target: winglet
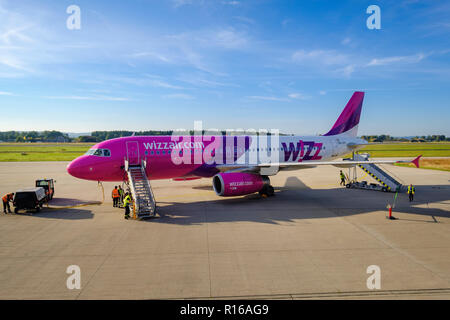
x,y
416,161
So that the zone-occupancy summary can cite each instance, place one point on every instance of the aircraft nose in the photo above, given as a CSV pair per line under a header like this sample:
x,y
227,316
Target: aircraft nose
x,y
77,168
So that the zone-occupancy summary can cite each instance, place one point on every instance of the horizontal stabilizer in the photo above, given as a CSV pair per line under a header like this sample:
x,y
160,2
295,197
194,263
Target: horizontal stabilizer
x,y
416,161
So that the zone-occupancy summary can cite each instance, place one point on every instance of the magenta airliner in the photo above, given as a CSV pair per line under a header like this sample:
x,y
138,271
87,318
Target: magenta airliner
x,y
238,165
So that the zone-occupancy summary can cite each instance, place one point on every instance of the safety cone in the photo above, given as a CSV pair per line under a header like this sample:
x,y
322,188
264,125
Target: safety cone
x,y
390,217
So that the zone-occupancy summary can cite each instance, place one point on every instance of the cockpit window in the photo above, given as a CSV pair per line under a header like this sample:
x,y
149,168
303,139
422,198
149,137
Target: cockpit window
x,y
99,152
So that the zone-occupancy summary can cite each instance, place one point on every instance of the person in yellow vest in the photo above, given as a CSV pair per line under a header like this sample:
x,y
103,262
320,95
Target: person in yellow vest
x,y
120,196
6,199
126,205
115,195
411,191
342,178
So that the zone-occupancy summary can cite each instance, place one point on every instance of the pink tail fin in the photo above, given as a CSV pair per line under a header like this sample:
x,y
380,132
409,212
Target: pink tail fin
x,y
349,117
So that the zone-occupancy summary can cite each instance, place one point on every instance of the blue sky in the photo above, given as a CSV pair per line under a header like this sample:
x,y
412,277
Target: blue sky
x,y
289,65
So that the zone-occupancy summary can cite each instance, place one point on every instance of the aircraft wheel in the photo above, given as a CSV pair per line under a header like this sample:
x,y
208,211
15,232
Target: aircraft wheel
x,y
267,191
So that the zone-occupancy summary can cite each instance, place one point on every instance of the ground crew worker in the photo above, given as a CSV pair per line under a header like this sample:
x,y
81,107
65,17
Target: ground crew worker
x,y
120,196
126,205
342,178
411,191
115,196
6,199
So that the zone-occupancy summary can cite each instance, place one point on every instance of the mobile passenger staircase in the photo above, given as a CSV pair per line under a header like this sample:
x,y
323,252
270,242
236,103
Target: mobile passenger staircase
x,y
386,182
144,200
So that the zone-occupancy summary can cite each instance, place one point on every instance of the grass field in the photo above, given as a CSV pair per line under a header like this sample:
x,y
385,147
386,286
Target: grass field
x,y
69,151
42,151
408,150
434,164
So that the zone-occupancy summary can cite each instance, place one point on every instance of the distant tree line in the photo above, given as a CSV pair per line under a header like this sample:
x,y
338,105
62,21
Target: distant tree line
x,y
106,135
97,136
34,136
387,138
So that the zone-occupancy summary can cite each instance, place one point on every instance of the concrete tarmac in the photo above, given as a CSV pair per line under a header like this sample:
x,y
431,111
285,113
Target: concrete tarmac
x,y
313,240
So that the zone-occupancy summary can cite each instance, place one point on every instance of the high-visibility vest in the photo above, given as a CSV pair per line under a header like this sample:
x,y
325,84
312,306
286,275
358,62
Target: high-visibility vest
x,y
342,176
127,200
115,193
411,189
7,197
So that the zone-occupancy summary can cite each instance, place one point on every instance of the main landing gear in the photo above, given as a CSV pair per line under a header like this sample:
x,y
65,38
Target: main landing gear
x,y
267,191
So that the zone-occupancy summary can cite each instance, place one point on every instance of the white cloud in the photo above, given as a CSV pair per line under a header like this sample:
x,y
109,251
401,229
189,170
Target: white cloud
x,y
94,98
229,38
285,22
3,93
325,57
155,55
268,98
179,96
163,84
147,80
397,59
179,3
244,19
15,33
231,3
201,81
13,62
345,41
198,49
346,71
222,38
298,96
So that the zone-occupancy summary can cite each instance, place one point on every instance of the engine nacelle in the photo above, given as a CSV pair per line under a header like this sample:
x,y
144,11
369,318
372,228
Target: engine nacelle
x,y
238,184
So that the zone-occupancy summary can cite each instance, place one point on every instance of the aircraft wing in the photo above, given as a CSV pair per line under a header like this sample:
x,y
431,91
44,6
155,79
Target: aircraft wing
x,y
307,164
238,168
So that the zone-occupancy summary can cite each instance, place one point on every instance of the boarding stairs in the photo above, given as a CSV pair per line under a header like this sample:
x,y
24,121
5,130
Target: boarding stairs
x,y
144,200
386,180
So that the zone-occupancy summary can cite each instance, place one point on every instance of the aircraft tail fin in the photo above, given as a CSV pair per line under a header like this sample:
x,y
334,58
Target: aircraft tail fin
x,y
348,121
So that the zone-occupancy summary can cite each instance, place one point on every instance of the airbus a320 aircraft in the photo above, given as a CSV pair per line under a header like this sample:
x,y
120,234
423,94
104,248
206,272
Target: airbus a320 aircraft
x,y
238,165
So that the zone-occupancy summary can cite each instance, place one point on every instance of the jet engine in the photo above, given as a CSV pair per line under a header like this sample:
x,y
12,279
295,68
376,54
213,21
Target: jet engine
x,y
238,184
